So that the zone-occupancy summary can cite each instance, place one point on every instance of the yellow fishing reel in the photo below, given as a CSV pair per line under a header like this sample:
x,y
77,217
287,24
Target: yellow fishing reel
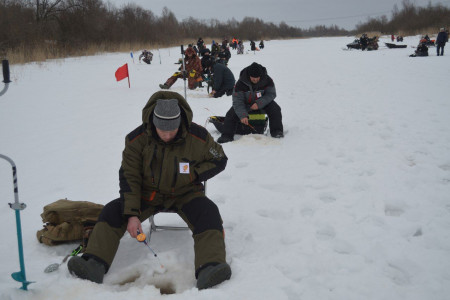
x,y
141,237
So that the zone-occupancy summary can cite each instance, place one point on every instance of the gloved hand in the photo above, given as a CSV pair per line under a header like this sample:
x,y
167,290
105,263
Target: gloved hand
x,y
192,73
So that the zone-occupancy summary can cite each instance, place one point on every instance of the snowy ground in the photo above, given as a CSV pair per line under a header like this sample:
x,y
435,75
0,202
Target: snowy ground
x,y
354,203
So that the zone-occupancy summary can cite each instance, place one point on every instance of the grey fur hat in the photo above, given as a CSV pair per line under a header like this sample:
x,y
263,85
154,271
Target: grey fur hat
x,y
166,115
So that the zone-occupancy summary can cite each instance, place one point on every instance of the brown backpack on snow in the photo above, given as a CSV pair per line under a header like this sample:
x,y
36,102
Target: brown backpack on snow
x,y
67,221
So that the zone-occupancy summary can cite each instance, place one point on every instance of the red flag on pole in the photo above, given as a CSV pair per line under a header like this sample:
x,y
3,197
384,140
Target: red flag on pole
x,y
122,73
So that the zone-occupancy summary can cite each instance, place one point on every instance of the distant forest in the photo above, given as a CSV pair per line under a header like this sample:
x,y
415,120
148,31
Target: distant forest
x,y
32,30
409,20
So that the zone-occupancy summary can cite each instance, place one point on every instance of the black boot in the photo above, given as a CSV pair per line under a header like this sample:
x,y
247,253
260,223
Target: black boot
x,y
213,275
90,268
278,134
225,139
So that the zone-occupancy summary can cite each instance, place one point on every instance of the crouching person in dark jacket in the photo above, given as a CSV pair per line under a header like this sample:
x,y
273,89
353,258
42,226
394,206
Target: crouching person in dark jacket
x,y
164,163
223,79
254,91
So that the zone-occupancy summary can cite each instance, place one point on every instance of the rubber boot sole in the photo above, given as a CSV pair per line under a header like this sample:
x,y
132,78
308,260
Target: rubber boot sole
x,y
214,276
85,270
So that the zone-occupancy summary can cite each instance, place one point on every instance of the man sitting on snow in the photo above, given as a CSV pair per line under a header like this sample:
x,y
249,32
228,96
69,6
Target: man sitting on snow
x,y
254,91
164,164
422,50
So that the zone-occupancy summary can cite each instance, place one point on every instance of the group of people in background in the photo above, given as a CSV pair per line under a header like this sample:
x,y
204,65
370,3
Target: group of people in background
x,y
253,91
366,43
202,64
399,38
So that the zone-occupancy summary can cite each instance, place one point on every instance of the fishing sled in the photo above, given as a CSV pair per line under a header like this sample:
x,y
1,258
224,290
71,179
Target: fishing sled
x,y
394,46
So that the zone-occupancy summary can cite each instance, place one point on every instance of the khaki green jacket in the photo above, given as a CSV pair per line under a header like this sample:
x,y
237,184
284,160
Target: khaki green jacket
x,y
157,173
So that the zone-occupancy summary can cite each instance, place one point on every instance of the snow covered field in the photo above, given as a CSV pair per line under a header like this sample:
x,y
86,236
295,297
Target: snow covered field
x,y
354,202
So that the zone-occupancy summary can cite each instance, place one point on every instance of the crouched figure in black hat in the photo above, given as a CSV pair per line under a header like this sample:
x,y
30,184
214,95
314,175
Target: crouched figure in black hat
x,y
254,90
164,164
222,79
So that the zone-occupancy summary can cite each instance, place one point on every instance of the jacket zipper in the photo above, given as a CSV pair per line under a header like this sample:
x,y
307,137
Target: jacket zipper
x,y
162,162
175,160
151,162
250,93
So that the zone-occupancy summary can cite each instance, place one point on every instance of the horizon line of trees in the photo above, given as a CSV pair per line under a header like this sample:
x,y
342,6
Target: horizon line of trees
x,y
76,24
410,19
80,23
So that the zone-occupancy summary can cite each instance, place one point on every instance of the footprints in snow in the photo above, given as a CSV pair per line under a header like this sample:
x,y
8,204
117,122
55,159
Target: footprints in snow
x,y
241,165
393,210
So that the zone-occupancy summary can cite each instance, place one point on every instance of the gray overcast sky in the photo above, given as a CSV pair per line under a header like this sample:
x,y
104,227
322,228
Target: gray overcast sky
x,y
299,13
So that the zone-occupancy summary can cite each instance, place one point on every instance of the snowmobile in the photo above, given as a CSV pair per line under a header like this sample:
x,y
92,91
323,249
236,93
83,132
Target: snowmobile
x,y
354,45
372,44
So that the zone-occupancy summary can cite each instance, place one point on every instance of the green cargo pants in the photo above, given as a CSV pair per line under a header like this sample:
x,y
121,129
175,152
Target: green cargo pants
x,y
200,214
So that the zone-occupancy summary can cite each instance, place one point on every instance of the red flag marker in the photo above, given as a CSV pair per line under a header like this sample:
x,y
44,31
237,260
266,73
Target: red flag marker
x,y
122,73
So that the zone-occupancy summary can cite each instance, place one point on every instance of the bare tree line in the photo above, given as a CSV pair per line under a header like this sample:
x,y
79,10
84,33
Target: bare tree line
x,y
409,20
72,25
68,27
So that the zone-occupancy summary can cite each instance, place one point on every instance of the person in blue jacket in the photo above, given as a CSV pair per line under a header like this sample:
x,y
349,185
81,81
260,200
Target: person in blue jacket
x,y
222,79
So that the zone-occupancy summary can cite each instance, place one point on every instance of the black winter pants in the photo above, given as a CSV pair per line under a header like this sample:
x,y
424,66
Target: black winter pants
x,y
272,110
220,93
441,48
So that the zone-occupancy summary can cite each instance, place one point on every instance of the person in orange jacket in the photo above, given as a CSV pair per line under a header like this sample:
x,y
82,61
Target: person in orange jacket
x,y
234,43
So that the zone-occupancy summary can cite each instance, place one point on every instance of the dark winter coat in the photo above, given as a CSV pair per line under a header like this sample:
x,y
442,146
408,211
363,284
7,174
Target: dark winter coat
x,y
246,93
200,44
152,170
223,79
204,61
225,54
422,50
441,38
214,49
